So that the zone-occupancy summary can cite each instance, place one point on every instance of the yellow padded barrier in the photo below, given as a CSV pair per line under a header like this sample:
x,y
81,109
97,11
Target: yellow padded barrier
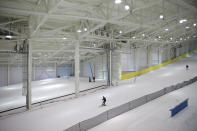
x,y
144,71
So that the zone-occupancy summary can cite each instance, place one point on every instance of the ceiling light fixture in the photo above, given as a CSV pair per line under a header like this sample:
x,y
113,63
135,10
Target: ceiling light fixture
x,y
166,29
159,37
118,1
171,38
78,30
194,24
143,35
126,7
181,38
85,29
120,32
64,38
8,36
161,16
182,21
187,27
133,37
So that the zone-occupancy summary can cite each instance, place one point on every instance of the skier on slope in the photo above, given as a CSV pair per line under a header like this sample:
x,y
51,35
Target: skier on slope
x,y
104,101
187,67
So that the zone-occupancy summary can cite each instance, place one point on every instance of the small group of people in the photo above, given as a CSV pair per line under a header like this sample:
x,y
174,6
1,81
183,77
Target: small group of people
x,y
92,78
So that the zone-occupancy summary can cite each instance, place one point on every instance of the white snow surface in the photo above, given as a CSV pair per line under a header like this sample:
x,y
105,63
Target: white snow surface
x,y
11,96
155,115
62,115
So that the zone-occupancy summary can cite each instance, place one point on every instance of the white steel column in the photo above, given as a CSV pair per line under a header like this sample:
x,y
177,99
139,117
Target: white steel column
x,y
136,59
55,70
110,67
169,52
29,75
160,55
34,70
77,68
8,74
149,56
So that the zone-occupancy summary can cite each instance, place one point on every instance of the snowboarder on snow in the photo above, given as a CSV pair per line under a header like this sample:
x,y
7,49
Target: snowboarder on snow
x,y
93,78
187,67
89,79
104,101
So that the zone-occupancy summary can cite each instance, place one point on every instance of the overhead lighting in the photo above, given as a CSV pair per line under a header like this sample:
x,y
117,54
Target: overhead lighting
x,y
161,16
194,24
155,39
120,32
126,7
188,37
143,35
78,30
85,29
64,38
166,29
8,36
159,37
184,39
181,38
133,37
118,1
182,21
187,27
171,38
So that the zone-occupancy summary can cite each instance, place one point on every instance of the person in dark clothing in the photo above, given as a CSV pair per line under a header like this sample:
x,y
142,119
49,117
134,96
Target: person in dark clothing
x,y
104,101
89,79
94,78
187,67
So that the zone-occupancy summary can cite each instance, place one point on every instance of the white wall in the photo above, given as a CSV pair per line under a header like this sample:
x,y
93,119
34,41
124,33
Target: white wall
x,y
127,60
155,56
44,71
98,65
64,70
3,75
142,58
116,66
14,73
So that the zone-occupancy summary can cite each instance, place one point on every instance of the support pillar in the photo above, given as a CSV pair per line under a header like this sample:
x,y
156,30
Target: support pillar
x,y
169,52
110,67
77,68
149,56
135,59
34,71
55,70
160,55
8,74
29,75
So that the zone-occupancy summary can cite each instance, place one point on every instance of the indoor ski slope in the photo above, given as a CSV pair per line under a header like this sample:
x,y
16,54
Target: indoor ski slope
x,y
155,115
62,115
11,96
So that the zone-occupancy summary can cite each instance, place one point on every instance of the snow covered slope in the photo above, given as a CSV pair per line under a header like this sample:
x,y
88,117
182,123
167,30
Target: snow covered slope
x,y
62,115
